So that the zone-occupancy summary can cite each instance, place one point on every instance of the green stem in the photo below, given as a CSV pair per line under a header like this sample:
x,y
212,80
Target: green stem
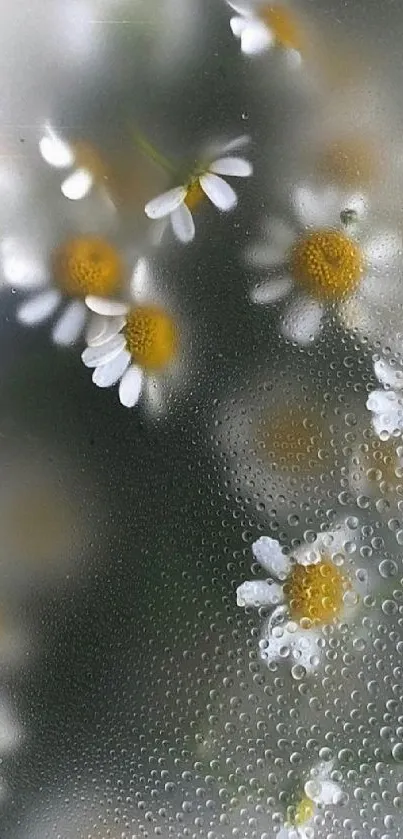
x,y
153,153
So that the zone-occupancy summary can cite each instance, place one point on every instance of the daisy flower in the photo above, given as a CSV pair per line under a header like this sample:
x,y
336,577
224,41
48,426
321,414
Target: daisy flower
x,y
307,591
319,791
324,259
135,346
179,203
260,26
386,404
86,265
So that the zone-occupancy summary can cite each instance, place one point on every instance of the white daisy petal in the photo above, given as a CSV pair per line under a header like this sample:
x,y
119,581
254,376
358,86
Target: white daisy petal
x,y
218,191
287,833
302,321
97,356
183,224
237,25
389,423
382,249
101,329
70,324
232,166
106,306
256,37
141,279
293,59
164,204
77,185
315,208
279,232
268,553
323,792
291,644
55,151
39,308
271,291
240,8
387,375
321,771
269,255
234,145
258,593
385,401
21,270
130,386
111,372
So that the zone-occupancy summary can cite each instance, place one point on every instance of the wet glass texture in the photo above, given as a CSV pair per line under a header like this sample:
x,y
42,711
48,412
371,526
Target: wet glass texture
x,y
201,505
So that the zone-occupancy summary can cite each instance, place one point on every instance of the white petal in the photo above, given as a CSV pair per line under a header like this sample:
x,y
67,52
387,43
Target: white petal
x,y
70,324
268,553
256,37
279,232
55,151
97,356
10,730
269,255
315,208
291,644
293,59
164,204
141,280
241,8
21,270
302,321
101,329
111,372
388,375
106,306
39,308
183,224
382,249
286,833
219,192
388,423
272,291
323,792
321,771
130,386
234,145
385,401
237,25
77,185
236,166
259,593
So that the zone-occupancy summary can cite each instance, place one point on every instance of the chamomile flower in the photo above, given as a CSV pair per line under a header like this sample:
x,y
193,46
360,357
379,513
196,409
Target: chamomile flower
x,y
261,25
386,404
137,346
324,259
307,591
179,204
86,265
319,791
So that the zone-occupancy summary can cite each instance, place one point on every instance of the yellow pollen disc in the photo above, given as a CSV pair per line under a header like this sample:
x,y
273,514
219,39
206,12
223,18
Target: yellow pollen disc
x,y
315,592
194,195
349,162
87,266
327,264
293,442
283,25
304,811
151,337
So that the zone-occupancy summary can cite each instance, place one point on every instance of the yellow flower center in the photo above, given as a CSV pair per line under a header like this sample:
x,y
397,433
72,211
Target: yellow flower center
x,y
327,264
87,266
283,25
349,162
294,442
151,337
194,195
304,811
315,593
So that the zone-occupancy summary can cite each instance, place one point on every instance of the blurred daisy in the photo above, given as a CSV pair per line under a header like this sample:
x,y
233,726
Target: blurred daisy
x,y
319,791
88,168
307,591
386,404
83,266
260,26
324,259
136,346
179,203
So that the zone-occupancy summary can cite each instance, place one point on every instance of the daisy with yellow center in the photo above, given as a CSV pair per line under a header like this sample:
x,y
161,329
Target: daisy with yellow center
x,y
262,25
179,203
136,346
319,791
311,589
82,266
323,259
